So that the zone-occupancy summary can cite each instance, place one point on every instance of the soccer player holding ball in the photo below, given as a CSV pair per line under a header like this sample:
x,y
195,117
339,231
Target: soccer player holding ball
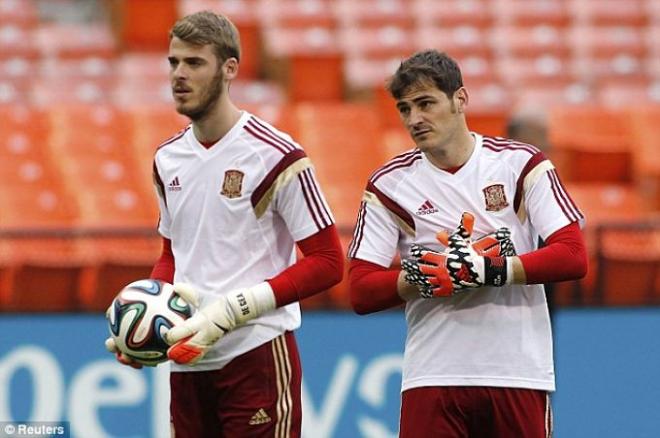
x,y
236,197
465,212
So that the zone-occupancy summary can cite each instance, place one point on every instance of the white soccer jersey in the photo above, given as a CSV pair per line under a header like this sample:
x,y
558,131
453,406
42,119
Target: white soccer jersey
x,y
233,213
487,337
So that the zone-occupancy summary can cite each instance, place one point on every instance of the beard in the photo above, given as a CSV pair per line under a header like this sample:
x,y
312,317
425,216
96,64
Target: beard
x,y
208,98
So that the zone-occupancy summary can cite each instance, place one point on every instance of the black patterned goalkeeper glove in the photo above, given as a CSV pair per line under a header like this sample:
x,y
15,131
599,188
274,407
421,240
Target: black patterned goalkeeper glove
x,y
463,265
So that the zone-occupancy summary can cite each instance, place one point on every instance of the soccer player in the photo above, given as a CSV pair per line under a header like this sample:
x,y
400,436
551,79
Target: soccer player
x,y
478,354
236,196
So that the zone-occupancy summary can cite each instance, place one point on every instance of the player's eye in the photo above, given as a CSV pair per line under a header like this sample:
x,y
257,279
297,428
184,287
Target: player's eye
x,y
425,104
404,110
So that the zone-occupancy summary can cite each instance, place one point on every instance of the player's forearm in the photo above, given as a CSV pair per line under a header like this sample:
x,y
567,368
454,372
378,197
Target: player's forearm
x,y
321,268
373,288
563,258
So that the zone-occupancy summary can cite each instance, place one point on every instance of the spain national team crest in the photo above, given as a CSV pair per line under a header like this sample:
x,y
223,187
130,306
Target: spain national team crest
x,y
495,197
233,183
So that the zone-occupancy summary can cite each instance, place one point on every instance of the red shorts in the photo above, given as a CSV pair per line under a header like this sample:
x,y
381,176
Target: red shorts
x,y
257,394
475,411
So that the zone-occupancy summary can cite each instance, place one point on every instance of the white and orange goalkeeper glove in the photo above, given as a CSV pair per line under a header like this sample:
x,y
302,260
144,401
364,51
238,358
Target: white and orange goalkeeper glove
x,y
463,265
192,339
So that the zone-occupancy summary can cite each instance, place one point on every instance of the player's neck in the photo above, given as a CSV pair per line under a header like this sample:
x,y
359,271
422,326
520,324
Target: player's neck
x,y
455,154
217,123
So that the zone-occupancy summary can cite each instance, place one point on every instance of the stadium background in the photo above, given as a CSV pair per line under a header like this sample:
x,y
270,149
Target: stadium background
x,y
84,101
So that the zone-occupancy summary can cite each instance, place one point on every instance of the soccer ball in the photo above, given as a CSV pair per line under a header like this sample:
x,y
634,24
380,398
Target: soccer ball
x,y
141,314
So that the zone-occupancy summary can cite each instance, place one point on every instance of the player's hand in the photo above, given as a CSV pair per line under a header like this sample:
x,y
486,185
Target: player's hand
x,y
121,357
192,339
463,265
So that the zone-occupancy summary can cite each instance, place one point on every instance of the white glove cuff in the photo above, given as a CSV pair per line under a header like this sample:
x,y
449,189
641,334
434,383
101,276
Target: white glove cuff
x,y
509,270
247,304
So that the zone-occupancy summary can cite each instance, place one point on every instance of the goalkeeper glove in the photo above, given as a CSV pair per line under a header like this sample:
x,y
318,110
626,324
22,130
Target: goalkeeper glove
x,y
463,265
192,339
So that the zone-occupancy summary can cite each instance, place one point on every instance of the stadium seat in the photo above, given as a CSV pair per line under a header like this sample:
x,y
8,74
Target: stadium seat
x,y
522,72
304,58
629,264
39,262
601,205
531,42
344,142
454,13
369,14
294,14
523,13
64,41
645,137
606,41
461,42
17,42
609,12
142,25
19,13
595,143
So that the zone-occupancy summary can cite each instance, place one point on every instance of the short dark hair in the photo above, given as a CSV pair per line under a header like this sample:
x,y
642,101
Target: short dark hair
x,y
207,27
428,65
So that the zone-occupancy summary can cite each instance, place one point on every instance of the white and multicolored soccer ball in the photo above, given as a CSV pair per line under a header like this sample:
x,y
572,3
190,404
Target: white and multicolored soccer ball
x,y
141,314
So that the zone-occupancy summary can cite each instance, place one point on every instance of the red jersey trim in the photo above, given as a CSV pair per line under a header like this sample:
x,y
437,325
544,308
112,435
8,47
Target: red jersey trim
x,y
158,181
270,178
404,160
269,137
499,144
358,233
392,206
174,138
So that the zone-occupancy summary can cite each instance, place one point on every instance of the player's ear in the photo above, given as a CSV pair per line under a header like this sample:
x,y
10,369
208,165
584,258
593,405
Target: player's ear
x,y
461,98
230,67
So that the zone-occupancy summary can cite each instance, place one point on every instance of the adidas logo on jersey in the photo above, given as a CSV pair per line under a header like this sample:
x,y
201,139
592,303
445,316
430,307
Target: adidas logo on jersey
x,y
426,208
174,186
260,417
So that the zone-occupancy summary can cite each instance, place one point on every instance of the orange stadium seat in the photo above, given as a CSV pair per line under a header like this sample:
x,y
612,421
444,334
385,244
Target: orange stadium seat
x,y
609,12
454,13
64,40
523,13
461,42
303,59
294,14
17,42
531,42
591,143
344,142
34,254
601,204
519,72
554,94
377,42
141,25
368,14
606,42
19,13
94,147
629,264
645,137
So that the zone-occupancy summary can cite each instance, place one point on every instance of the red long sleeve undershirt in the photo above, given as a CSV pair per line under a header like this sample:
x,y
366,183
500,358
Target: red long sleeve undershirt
x,y
321,268
374,288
